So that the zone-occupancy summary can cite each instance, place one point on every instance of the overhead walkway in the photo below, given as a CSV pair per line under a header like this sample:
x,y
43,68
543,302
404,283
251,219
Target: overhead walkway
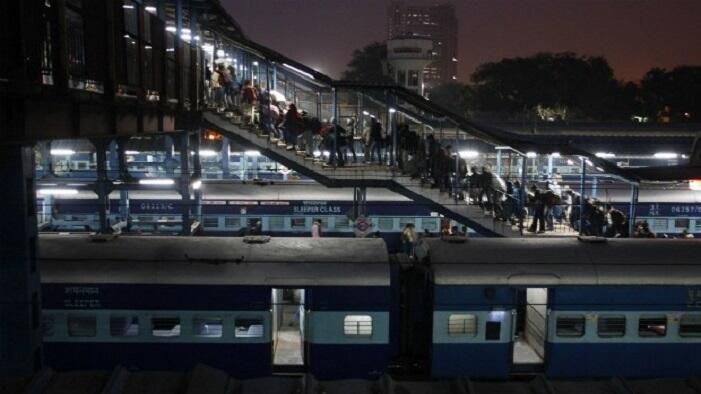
x,y
362,176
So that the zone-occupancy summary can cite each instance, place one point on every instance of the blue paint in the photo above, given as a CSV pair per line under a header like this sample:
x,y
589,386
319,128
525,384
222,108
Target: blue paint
x,y
647,298
347,361
477,298
239,360
630,360
356,298
483,360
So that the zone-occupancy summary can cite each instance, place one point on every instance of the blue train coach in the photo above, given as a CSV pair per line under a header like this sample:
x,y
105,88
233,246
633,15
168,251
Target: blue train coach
x,y
250,306
566,307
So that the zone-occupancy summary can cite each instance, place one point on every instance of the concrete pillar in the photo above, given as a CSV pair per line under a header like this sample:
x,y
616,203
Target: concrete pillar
x,y
633,207
20,301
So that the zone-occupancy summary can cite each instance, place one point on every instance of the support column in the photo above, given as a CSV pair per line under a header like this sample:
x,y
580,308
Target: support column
x,y
499,162
102,187
582,185
594,185
523,191
20,302
184,187
46,163
634,190
359,202
224,163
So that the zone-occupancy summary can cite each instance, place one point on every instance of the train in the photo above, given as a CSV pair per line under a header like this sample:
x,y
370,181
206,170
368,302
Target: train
x,y
341,308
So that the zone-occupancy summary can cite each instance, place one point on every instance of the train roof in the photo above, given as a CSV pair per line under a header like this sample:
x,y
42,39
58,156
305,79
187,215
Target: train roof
x,y
565,261
214,261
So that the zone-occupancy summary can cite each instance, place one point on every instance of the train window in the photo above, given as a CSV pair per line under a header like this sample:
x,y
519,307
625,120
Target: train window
x,y
385,223
652,326
82,326
248,327
341,222
681,223
207,327
47,325
211,222
232,222
493,331
276,223
324,222
124,326
462,324
165,326
658,224
609,326
429,224
570,326
404,221
357,325
690,326
298,223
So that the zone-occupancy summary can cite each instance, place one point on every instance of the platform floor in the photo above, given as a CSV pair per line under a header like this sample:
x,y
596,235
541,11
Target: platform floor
x,y
288,348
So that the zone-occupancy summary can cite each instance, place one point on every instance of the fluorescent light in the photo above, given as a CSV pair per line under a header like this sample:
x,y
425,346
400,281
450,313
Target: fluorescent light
x,y
220,53
186,37
665,155
695,185
392,110
600,169
502,147
469,154
605,155
128,7
197,38
131,152
251,153
151,9
531,155
197,185
62,152
209,48
589,163
570,162
366,113
255,63
186,31
317,153
171,29
58,192
327,153
207,153
156,181
306,74
555,155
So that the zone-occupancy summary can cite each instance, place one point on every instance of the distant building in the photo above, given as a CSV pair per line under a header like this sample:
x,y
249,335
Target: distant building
x,y
437,23
407,58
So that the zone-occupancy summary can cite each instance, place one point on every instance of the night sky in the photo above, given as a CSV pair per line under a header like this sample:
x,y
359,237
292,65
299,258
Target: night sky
x,y
633,35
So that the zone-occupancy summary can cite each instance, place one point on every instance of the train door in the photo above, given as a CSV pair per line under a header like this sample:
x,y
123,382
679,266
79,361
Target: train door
x,y
530,329
288,329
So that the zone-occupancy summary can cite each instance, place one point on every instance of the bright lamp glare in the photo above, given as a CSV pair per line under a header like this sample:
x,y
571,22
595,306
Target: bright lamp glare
x,y
392,110
251,153
62,152
317,153
131,152
469,154
555,155
531,155
605,155
150,9
366,113
207,153
171,29
220,53
197,185
695,185
665,155
58,192
160,182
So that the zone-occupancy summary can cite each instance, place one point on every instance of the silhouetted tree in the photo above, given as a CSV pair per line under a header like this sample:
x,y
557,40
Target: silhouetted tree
x,y
673,95
366,64
453,96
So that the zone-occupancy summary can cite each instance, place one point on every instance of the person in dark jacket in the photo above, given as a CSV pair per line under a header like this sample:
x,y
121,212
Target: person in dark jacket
x,y
294,124
538,224
376,140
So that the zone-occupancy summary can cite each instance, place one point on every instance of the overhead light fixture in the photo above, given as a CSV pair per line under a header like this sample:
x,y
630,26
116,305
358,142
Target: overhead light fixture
x,y
469,154
186,37
156,181
186,31
555,155
570,162
207,153
605,155
220,53
392,110
531,155
151,9
253,153
197,185
128,7
58,192
209,48
366,113
171,29
665,155
255,63
62,152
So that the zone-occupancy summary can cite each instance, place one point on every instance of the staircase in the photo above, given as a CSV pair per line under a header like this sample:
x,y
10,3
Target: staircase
x,y
359,175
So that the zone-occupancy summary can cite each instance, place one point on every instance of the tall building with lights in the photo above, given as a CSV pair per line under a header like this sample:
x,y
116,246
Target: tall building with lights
x,y
435,22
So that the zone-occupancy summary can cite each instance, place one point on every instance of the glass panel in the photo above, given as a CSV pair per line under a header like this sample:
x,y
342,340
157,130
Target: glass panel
x,y
124,326
298,223
341,222
357,325
385,223
611,326
276,222
82,326
211,222
232,222
462,324
131,17
570,326
165,326
681,223
652,326
249,327
690,326
207,327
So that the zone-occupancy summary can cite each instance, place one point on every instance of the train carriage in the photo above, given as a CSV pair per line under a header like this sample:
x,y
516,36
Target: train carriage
x,y
250,308
566,308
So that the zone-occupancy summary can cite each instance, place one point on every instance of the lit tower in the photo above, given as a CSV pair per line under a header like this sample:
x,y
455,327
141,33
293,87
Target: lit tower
x,y
407,57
